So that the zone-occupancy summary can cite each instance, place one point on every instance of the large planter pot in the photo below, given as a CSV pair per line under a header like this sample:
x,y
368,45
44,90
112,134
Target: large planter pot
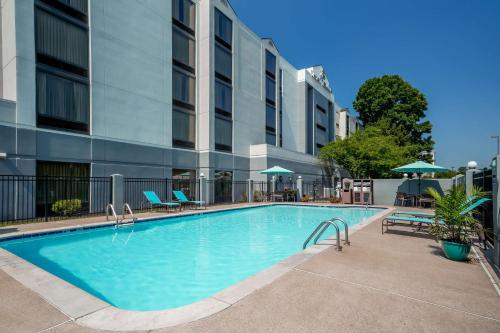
x,y
455,251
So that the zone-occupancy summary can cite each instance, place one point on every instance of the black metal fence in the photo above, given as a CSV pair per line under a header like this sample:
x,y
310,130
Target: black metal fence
x,y
36,199
484,181
317,191
134,189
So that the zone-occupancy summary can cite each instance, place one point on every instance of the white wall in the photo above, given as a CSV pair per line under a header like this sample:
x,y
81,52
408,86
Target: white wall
x,y
249,113
292,121
132,70
18,58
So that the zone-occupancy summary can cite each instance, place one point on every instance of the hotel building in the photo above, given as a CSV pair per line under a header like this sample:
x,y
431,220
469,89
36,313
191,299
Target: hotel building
x,y
157,89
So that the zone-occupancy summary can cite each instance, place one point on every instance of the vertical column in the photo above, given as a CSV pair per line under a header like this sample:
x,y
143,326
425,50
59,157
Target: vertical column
x,y
496,209
469,181
117,193
273,184
202,193
300,188
250,190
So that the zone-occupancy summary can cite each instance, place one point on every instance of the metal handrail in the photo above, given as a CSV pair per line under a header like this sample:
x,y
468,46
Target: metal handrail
x,y
325,225
346,229
126,207
108,207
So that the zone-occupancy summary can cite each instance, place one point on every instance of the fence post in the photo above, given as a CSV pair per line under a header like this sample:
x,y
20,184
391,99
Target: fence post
x,y
203,188
46,197
300,188
496,209
469,181
117,193
250,190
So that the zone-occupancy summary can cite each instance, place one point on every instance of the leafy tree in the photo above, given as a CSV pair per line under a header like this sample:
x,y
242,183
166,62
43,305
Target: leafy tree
x,y
368,153
396,107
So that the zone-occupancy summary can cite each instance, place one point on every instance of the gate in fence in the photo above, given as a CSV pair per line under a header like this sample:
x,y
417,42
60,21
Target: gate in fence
x,y
484,181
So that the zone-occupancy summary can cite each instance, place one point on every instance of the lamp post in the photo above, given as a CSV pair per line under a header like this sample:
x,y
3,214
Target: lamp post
x,y
498,142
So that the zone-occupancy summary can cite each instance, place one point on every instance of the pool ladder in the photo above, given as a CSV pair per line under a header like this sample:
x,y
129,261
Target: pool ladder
x,y
122,222
323,226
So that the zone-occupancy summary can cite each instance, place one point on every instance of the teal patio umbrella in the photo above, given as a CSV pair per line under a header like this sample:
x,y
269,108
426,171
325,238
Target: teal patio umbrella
x,y
419,167
276,170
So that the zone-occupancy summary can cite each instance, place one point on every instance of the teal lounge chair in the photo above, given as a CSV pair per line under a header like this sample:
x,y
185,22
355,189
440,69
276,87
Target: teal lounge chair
x,y
155,201
420,220
413,213
181,197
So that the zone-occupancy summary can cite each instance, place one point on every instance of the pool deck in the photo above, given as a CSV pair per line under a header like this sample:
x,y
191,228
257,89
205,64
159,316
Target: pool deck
x,y
396,282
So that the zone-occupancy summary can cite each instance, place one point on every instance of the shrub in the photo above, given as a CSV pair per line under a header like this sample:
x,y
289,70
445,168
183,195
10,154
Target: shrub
x,y
244,197
334,199
306,198
66,207
455,226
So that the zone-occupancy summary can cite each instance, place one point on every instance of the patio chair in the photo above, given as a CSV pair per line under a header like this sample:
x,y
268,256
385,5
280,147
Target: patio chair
x,y
413,213
155,201
181,197
402,199
424,199
421,220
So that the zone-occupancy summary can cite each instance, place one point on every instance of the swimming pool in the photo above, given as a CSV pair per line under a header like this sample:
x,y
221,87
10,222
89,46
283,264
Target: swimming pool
x,y
168,263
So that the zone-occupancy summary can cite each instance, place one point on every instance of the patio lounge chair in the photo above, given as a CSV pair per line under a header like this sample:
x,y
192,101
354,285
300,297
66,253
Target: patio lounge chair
x,y
413,213
155,201
181,197
420,220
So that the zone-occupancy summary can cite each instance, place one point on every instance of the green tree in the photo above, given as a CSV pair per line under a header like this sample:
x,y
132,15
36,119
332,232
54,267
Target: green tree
x,y
396,107
367,153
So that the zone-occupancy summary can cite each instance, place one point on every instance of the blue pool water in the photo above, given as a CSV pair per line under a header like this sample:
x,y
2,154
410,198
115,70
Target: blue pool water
x,y
172,262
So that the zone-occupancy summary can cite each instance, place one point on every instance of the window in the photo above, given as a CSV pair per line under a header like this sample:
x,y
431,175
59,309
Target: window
x,y
223,29
183,88
223,134
270,91
183,50
183,128
223,63
223,186
281,108
184,13
223,128
270,138
320,127
347,121
223,98
270,125
62,61
185,174
61,101
270,118
183,74
62,186
61,40
270,64
320,108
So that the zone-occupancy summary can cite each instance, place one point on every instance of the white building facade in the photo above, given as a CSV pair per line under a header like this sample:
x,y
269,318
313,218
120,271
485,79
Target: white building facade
x,y
156,89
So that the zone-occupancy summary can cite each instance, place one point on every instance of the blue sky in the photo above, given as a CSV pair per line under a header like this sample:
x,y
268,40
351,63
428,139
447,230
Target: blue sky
x,y
449,49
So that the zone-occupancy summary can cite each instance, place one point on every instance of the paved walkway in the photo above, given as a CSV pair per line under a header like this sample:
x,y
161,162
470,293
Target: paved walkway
x,y
396,282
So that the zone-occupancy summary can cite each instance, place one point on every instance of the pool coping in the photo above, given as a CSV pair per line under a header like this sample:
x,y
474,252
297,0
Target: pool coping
x,y
90,311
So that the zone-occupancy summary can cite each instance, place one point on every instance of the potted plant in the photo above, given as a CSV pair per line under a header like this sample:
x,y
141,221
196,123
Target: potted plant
x,y
453,227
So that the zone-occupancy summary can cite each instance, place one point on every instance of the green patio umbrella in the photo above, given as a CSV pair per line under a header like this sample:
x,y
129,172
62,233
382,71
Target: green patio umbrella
x,y
419,167
276,170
